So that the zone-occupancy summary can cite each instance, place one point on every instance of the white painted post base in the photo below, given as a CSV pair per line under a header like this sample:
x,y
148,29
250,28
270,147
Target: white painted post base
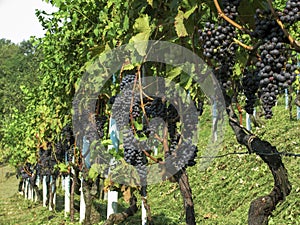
x,y
30,190
67,195
23,187
248,122
215,120
82,204
45,191
112,202
155,150
26,188
62,183
54,195
298,108
35,199
286,94
37,181
144,214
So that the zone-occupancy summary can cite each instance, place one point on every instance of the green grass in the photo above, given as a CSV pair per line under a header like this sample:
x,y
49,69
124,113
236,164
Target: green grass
x,y
222,193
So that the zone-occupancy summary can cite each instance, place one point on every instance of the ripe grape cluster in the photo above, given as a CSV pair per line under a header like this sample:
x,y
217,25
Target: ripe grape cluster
x,y
127,81
181,154
157,108
158,112
275,73
217,40
273,68
218,43
291,12
122,103
250,83
59,151
172,118
100,124
46,162
68,142
133,154
266,26
25,171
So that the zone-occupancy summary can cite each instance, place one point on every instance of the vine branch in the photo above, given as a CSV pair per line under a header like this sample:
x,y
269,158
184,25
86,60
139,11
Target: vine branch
x,y
233,23
250,48
293,42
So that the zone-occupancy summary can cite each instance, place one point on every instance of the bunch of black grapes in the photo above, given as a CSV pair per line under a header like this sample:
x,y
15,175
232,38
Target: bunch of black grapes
x,y
59,151
266,26
123,109
250,84
291,12
134,155
182,153
45,161
274,71
100,124
218,43
172,118
127,81
68,142
157,108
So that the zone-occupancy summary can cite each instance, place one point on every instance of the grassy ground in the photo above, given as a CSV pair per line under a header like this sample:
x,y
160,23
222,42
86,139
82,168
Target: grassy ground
x,y
222,193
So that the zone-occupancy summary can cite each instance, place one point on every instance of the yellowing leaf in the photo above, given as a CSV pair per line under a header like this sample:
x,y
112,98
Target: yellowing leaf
x,y
142,24
150,2
179,25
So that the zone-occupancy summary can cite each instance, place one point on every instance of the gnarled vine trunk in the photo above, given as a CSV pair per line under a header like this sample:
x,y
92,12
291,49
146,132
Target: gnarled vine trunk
x,y
92,216
262,207
182,179
118,218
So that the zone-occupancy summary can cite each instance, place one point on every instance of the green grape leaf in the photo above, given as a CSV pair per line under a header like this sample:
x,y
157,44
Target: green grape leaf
x,y
143,29
173,73
188,13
